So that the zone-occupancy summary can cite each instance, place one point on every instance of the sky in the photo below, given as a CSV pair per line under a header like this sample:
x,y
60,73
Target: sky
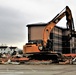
x,y
16,14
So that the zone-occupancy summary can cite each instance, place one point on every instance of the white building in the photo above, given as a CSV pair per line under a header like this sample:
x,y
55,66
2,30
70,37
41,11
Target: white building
x,y
12,49
6,49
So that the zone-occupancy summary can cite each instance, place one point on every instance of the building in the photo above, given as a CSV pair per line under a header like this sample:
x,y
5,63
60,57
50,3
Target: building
x,y
12,49
58,36
6,49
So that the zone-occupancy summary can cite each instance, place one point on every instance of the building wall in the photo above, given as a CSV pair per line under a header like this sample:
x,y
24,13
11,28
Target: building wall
x,y
56,36
12,50
4,50
35,32
73,45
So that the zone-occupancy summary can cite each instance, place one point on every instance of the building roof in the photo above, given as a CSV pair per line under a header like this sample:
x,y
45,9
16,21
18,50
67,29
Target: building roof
x,y
3,47
12,47
37,24
43,24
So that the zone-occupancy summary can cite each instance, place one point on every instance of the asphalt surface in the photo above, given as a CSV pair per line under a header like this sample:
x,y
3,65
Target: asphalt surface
x,y
52,69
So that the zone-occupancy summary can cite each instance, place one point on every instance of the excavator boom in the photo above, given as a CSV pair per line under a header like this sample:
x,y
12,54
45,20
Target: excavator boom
x,y
70,25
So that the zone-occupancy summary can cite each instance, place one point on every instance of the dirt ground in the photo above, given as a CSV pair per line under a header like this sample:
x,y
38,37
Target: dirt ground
x,y
52,69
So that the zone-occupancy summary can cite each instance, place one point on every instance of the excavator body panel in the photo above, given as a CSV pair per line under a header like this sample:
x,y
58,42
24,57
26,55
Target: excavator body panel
x,y
30,48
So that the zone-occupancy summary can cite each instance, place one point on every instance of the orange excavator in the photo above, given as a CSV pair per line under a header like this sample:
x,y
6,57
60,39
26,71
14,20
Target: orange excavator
x,y
43,50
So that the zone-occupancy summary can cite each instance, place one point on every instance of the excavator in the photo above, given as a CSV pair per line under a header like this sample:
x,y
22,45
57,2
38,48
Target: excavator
x,y
43,50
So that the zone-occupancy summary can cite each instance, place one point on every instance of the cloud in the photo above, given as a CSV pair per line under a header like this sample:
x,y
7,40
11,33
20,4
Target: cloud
x,y
12,25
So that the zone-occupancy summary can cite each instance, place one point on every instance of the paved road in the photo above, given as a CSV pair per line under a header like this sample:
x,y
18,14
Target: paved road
x,y
37,69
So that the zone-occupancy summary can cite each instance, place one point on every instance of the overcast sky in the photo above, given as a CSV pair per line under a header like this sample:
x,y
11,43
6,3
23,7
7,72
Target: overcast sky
x,y
16,14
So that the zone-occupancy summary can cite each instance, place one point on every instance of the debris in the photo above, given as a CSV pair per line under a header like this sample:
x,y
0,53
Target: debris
x,y
66,62
73,61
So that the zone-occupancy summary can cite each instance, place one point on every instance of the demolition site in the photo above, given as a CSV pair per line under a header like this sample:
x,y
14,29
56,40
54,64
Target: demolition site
x,y
47,43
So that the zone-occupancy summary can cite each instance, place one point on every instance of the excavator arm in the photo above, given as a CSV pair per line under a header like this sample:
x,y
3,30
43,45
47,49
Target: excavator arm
x,y
70,25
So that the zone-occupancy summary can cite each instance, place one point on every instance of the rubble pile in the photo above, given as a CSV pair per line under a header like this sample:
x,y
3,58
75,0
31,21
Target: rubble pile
x,y
20,59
